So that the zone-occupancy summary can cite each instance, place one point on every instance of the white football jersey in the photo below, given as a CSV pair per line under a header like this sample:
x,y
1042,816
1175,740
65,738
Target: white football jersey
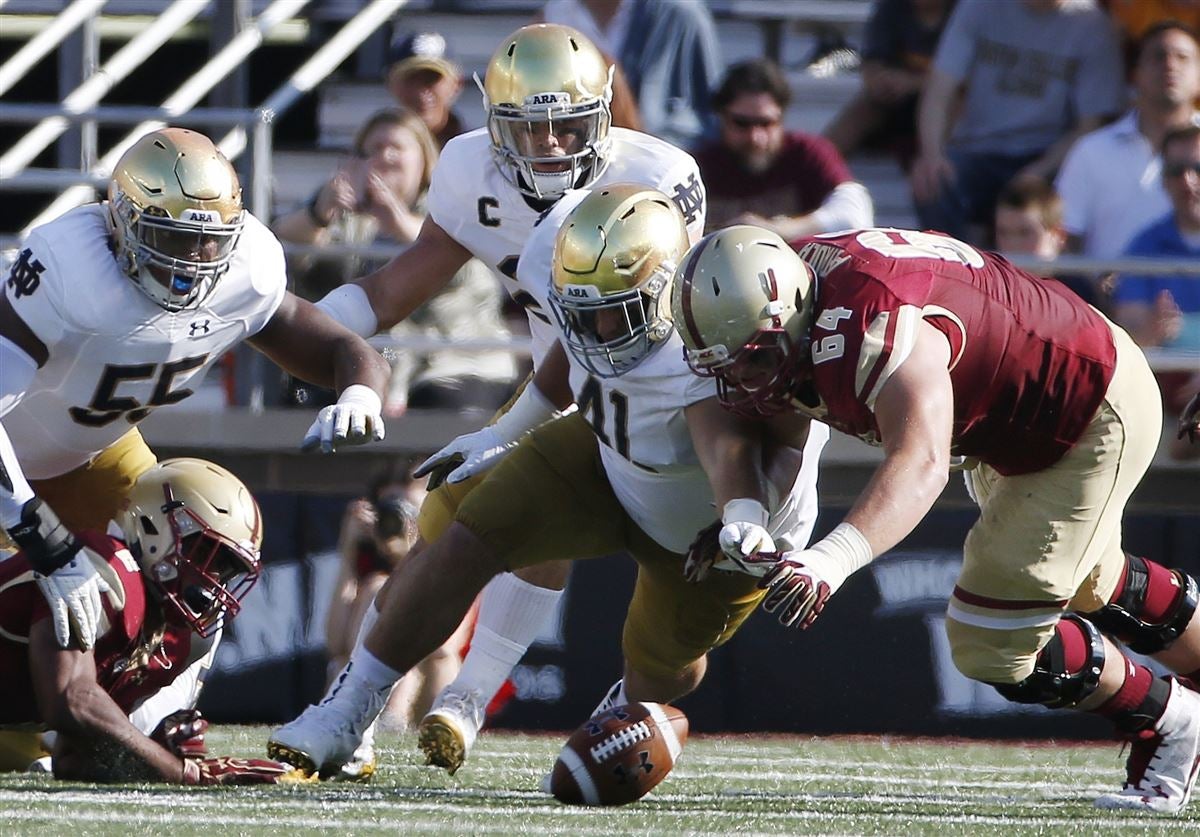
x,y
645,443
470,199
114,355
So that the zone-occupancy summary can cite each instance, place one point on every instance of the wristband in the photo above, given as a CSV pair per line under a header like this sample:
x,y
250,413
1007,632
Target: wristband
x,y
846,549
350,306
531,410
361,395
745,510
191,773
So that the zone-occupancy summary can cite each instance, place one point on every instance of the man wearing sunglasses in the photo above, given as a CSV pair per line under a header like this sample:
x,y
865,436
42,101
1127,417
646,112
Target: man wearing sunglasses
x,y
789,182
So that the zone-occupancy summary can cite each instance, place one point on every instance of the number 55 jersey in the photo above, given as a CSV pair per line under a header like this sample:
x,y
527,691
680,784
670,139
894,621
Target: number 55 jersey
x,y
113,355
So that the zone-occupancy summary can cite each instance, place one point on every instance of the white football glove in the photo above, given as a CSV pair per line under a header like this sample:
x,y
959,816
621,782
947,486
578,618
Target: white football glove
x,y
744,540
466,456
354,420
73,593
64,571
473,453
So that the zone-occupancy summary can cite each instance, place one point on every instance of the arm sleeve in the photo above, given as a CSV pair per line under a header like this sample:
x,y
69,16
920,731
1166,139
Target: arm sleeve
x,y
956,49
15,492
847,207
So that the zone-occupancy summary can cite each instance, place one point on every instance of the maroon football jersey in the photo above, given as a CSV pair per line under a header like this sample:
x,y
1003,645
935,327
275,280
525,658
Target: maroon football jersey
x,y
124,669
1030,361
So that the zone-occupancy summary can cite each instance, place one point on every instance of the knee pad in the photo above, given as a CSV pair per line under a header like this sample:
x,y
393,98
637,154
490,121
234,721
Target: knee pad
x,y
1059,680
1153,608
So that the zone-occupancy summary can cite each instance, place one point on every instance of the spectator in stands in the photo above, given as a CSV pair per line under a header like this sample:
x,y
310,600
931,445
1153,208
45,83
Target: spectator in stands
x,y
422,77
1034,75
1164,310
897,52
756,172
1110,180
377,197
1029,223
668,50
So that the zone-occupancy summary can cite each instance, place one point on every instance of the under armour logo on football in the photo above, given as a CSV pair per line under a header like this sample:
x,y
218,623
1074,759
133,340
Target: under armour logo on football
x,y
690,198
199,328
26,274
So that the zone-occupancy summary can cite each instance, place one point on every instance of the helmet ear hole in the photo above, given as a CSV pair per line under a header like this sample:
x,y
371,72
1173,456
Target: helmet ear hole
x,y
148,525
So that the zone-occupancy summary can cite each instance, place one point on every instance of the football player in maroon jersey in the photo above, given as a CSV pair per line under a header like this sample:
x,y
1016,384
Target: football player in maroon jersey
x,y
188,553
922,345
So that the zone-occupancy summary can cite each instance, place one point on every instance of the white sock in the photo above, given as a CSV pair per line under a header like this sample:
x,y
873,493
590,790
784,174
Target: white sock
x,y
364,666
512,613
368,621
367,669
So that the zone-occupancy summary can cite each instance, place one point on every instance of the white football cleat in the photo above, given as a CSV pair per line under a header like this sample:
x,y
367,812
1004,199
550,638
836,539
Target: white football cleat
x,y
1161,769
328,735
448,731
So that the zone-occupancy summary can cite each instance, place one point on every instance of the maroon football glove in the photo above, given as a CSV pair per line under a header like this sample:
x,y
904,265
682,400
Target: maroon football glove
x,y
797,592
703,552
182,733
232,771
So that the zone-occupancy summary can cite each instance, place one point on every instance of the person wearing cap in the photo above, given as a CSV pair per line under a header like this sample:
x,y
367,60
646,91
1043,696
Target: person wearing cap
x,y
423,77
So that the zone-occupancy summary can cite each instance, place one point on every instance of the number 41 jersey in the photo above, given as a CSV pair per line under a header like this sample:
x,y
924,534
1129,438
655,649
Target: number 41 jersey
x,y
114,356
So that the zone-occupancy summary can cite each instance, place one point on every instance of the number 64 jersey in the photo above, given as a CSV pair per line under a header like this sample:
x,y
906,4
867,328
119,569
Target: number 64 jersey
x,y
1030,361
114,356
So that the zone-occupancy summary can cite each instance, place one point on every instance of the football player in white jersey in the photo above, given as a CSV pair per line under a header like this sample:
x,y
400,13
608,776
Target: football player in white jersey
x,y
655,455
547,91
116,309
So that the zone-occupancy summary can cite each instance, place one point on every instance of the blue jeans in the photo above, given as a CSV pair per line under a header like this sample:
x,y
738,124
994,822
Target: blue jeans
x,y
971,198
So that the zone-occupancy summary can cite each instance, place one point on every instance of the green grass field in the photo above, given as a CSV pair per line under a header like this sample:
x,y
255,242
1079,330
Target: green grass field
x,y
722,785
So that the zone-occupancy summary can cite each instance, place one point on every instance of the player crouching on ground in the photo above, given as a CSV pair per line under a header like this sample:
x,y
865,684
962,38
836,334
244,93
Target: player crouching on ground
x,y
188,552
920,344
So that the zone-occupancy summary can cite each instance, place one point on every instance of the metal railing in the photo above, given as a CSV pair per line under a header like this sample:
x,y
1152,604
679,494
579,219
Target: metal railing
x,y
180,107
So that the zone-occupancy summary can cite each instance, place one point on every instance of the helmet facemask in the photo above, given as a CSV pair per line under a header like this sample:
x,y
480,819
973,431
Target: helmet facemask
x,y
636,317
175,262
520,141
204,575
758,379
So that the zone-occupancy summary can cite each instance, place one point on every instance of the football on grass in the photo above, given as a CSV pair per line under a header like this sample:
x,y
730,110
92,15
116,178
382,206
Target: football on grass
x,y
619,755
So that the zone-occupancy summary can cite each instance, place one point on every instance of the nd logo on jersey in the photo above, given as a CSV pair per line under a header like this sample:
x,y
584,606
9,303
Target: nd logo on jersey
x,y
26,274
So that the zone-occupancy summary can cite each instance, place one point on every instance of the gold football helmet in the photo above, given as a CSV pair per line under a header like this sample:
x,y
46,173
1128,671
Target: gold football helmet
x,y
195,531
613,258
548,92
742,301
175,206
